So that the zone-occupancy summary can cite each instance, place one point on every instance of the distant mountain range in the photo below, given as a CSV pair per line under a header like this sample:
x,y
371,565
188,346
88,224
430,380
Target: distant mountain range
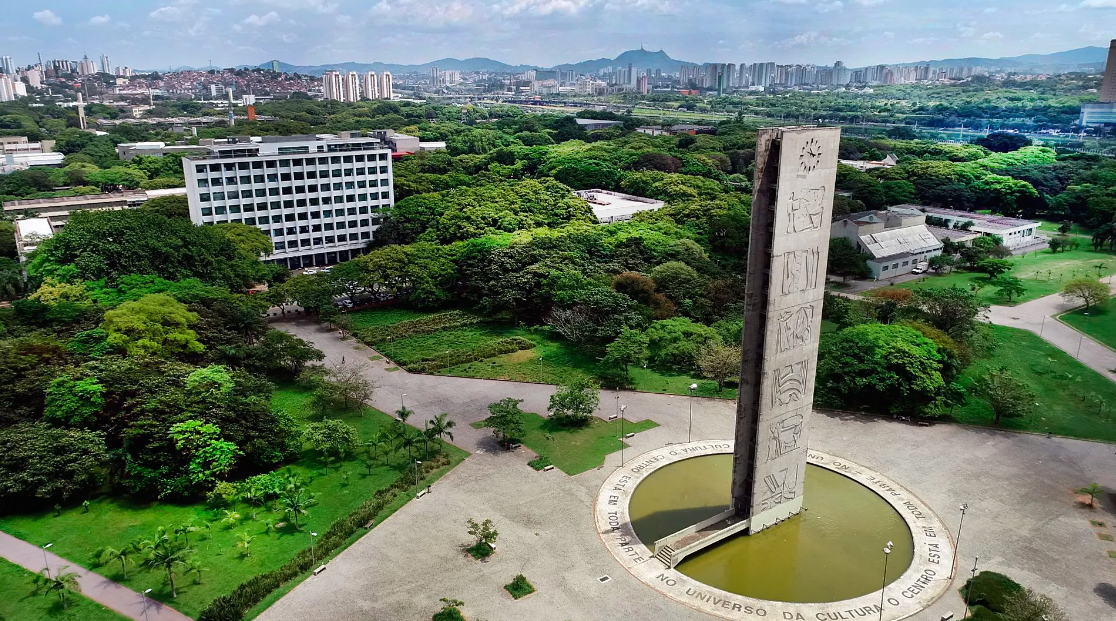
x,y
1080,58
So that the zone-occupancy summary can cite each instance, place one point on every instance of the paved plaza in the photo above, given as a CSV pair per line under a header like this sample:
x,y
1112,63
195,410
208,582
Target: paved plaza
x,y
1023,518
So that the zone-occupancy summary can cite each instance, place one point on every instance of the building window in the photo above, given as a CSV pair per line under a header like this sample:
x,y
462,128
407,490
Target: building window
x,y
350,198
245,179
219,210
251,221
313,201
277,218
203,183
199,168
207,211
288,217
385,195
313,187
360,171
257,165
261,192
304,243
273,191
288,190
311,174
279,245
216,181
327,226
317,241
884,268
234,208
329,239
365,235
218,196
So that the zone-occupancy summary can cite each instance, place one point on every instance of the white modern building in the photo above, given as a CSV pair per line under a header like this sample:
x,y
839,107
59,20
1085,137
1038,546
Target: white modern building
x,y
897,239
371,86
352,86
319,198
609,207
386,91
1014,232
333,86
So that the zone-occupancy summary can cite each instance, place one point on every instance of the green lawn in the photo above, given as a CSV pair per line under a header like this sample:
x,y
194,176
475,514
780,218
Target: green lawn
x,y
1062,385
116,521
1051,228
18,602
1042,273
1099,323
383,316
574,451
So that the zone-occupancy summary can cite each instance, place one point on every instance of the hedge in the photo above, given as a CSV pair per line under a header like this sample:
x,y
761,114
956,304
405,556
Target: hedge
x,y
463,356
414,327
232,607
991,590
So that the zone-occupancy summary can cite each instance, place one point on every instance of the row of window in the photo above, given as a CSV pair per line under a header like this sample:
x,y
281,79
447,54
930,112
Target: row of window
x,y
313,187
318,241
290,217
287,163
295,176
305,229
206,197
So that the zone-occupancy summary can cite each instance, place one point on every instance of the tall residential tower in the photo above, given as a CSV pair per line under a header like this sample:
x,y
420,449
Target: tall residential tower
x,y
1108,89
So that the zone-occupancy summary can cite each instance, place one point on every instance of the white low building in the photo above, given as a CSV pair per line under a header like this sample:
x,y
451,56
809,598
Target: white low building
x,y
611,207
1015,232
897,239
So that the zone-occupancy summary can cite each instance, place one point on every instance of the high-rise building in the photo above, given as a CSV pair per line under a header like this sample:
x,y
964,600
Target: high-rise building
x,y
332,86
385,85
86,67
318,198
275,66
106,64
642,85
34,78
7,89
352,86
435,77
1108,88
6,66
371,86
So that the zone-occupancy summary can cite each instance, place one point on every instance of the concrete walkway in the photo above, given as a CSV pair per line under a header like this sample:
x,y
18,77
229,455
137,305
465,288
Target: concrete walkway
x,y
1038,316
93,586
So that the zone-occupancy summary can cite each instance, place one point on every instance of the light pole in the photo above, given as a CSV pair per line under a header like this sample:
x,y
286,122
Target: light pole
x,y
46,563
957,546
313,554
969,588
417,464
401,398
144,596
622,408
887,553
690,432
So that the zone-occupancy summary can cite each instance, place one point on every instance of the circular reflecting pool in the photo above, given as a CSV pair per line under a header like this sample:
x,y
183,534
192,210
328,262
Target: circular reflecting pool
x,y
832,551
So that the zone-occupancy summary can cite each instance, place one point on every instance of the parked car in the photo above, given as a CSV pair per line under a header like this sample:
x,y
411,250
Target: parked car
x,y
920,268
310,272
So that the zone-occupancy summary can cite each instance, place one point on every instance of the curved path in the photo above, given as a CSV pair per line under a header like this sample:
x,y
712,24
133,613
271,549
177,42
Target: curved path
x,y
93,586
1023,519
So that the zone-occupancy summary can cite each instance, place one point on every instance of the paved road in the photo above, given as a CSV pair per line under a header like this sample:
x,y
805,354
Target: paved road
x,y
1038,316
93,586
1023,519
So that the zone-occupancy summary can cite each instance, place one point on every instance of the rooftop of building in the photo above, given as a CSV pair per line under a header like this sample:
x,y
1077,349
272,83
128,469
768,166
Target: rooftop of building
x,y
954,234
67,201
306,144
987,221
606,203
908,240
597,122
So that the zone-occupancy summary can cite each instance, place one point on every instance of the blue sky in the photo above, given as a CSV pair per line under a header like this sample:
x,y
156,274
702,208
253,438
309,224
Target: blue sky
x,y
162,33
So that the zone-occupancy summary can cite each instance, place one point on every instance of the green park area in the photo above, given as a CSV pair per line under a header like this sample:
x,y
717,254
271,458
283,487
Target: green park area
x,y
1097,322
1041,272
1073,400
22,601
461,345
574,450
237,538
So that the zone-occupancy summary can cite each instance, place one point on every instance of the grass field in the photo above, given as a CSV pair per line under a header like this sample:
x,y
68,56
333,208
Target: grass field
x,y
553,360
339,489
1042,273
1099,323
18,602
574,451
1051,228
1063,387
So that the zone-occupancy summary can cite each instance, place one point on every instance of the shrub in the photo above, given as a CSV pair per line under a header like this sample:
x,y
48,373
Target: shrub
x,y
415,327
450,611
539,462
991,590
519,587
464,356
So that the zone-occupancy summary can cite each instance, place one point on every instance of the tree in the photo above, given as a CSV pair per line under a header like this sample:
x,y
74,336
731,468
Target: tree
x,y
889,368
1028,605
73,403
1093,491
332,438
1086,291
177,206
154,325
1007,395
942,262
123,554
506,420
719,363
282,351
573,403
168,555
210,457
628,348
994,267
1003,142
12,285
451,610
678,281
484,532
62,583
952,310
440,427
44,463
244,542
1008,286
313,292
194,566
675,343
409,439
845,260
296,501
343,387
7,240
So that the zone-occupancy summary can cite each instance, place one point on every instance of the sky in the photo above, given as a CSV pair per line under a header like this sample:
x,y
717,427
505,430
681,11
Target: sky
x,y
163,33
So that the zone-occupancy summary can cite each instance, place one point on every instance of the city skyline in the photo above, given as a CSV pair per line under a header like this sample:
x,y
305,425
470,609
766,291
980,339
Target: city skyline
x,y
549,32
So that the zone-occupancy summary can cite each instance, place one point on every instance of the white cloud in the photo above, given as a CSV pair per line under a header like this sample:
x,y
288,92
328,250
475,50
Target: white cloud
x,y
99,20
830,7
792,1
1099,4
541,7
992,36
420,13
869,2
318,6
966,30
808,38
262,20
47,16
167,14
990,10
1061,8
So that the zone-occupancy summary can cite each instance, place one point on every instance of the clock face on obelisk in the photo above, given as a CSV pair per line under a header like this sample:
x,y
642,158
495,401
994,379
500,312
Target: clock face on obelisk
x,y
810,157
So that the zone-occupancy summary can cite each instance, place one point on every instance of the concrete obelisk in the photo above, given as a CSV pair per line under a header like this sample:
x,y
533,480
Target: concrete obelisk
x,y
796,169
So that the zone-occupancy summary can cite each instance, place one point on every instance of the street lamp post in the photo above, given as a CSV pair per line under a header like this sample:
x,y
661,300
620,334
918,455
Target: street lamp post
x,y
969,589
46,563
957,546
622,408
313,553
887,553
417,464
144,596
401,398
690,431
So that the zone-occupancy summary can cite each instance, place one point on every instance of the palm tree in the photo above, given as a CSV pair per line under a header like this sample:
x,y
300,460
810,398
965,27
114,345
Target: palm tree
x,y
1093,491
194,566
186,529
244,542
62,583
403,414
376,440
109,554
166,555
296,502
408,441
440,426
